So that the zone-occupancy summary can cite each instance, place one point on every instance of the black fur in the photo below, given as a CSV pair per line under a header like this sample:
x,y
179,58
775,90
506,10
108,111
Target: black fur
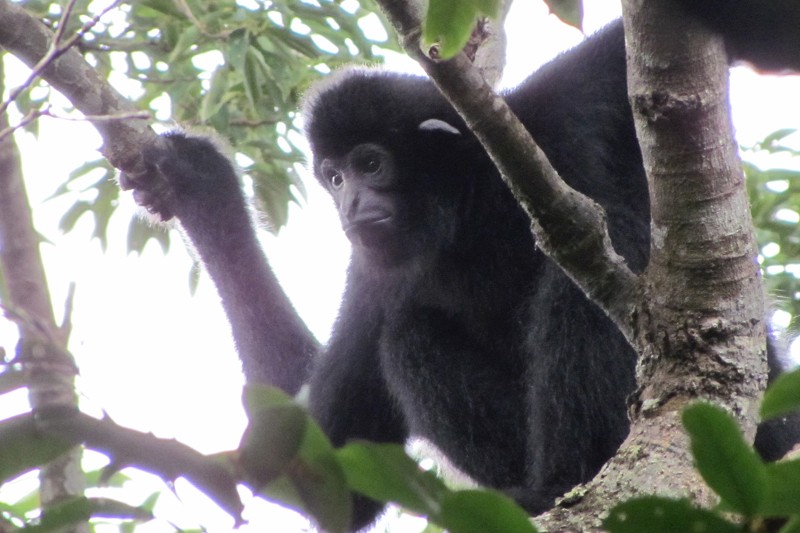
x,y
474,338
454,326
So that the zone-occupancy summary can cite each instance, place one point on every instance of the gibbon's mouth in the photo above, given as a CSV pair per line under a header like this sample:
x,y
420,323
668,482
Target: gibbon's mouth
x,y
370,230
365,220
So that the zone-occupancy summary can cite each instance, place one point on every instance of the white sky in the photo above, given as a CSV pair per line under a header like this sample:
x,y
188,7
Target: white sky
x,y
157,359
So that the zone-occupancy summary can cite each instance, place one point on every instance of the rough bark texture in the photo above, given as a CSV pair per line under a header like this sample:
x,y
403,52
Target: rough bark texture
x,y
699,321
701,326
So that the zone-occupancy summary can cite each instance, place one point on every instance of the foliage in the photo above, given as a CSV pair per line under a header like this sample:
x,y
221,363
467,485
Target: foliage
x,y
24,511
775,203
569,11
449,23
235,68
752,492
295,465
24,448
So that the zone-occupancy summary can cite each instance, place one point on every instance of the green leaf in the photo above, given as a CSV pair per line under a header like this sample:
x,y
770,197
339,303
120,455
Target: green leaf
x,y
70,218
61,516
569,11
449,24
271,441
783,488
24,448
188,38
108,476
238,43
80,510
777,136
103,207
163,7
258,397
312,482
726,462
661,515
140,232
110,508
384,472
782,396
252,79
320,483
78,173
478,511
214,98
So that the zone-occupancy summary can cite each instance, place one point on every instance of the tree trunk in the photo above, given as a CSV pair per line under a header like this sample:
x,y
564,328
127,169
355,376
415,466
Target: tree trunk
x,y
699,320
42,349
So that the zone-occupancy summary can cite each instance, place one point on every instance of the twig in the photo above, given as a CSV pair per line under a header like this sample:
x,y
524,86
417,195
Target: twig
x,y
556,208
47,112
167,458
27,119
143,115
62,23
55,51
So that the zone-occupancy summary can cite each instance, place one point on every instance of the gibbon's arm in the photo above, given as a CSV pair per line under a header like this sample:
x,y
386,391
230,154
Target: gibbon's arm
x,y
189,178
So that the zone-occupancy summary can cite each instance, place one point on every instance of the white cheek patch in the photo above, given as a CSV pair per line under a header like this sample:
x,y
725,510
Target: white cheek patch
x,y
436,125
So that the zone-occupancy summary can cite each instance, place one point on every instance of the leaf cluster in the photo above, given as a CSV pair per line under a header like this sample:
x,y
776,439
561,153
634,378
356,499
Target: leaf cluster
x,y
233,69
775,203
449,23
288,459
24,448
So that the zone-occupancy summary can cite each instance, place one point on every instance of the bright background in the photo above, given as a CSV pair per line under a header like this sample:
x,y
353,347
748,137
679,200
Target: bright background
x,y
155,358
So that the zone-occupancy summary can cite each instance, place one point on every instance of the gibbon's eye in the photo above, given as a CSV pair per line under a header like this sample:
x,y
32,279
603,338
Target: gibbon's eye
x,y
372,164
336,179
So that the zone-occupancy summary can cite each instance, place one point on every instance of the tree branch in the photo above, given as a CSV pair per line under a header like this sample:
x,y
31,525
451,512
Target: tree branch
x,y
124,138
568,226
166,458
49,368
71,75
700,321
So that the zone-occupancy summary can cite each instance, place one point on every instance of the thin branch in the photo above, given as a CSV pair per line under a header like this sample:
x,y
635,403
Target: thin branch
x,y
569,227
48,112
166,458
140,115
55,50
70,74
62,23
27,119
184,8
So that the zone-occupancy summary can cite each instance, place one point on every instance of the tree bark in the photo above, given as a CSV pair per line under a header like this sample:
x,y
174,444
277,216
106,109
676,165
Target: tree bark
x,y
30,41
700,310
42,350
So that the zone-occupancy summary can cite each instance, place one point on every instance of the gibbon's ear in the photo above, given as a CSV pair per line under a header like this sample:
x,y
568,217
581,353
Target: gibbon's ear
x,y
437,125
